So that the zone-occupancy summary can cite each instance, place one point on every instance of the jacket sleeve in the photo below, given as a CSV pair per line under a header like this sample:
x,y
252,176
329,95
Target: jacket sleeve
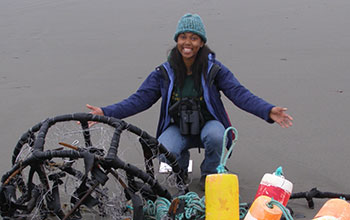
x,y
147,94
241,96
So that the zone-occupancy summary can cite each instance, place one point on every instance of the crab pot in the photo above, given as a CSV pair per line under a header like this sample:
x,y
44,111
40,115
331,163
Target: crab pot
x,y
221,197
260,211
276,187
334,209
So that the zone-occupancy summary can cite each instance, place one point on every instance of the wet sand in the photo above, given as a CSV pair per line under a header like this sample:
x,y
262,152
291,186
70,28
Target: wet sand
x,y
56,56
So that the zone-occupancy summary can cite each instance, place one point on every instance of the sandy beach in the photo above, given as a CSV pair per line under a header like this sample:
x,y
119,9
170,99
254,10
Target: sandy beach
x,y
57,56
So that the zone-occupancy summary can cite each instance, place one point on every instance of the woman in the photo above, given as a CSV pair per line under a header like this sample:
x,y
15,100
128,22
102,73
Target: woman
x,y
192,113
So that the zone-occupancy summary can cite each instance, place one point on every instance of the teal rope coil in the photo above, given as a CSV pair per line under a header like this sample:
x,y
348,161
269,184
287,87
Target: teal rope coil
x,y
194,207
284,210
221,168
156,210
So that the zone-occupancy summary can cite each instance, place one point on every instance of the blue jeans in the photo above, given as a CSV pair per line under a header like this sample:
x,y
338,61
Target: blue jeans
x,y
210,139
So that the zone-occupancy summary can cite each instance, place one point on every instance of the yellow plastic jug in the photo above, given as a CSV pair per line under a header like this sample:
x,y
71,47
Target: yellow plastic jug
x,y
221,197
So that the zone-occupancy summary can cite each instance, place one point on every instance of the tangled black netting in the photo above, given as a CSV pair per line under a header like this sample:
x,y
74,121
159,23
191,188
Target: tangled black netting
x,y
32,189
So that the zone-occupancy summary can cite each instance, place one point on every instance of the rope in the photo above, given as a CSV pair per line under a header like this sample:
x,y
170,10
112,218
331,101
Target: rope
x,y
194,207
315,193
221,168
156,210
279,171
243,210
284,210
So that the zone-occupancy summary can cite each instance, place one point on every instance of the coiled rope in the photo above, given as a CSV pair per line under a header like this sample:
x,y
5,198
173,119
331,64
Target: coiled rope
x,y
157,209
194,206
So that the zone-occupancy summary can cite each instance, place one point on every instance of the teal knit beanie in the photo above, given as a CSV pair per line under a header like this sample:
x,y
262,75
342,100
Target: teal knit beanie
x,y
191,23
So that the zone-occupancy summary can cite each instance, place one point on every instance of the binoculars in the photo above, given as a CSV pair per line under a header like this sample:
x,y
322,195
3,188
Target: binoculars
x,y
189,114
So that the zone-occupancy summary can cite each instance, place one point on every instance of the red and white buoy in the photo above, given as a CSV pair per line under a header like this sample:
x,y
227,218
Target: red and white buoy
x,y
275,186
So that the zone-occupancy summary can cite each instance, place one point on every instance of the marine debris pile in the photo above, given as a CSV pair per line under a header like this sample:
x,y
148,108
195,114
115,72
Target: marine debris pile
x,y
64,168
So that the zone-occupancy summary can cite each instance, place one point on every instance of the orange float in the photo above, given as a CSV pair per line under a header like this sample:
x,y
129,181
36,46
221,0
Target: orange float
x,y
260,211
334,209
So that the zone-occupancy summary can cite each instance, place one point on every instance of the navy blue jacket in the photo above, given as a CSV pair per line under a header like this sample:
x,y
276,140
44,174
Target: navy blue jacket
x,y
159,84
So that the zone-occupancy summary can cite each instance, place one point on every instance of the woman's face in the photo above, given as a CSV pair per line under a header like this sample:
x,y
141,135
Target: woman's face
x,y
189,44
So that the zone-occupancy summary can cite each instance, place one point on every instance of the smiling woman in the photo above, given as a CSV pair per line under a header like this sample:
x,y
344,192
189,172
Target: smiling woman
x,y
192,112
190,37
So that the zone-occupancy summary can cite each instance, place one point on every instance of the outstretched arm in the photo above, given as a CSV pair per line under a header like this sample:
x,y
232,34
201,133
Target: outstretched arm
x,y
279,115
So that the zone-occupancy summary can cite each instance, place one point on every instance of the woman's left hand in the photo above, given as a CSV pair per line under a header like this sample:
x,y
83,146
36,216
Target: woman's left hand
x,y
279,115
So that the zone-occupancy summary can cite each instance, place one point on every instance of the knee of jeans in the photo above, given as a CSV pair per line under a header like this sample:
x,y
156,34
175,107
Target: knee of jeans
x,y
213,141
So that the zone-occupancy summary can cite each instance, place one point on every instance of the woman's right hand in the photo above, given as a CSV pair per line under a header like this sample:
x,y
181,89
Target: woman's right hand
x,y
94,110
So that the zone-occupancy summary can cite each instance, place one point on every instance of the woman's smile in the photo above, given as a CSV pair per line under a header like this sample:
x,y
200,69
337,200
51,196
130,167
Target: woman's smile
x,y
187,50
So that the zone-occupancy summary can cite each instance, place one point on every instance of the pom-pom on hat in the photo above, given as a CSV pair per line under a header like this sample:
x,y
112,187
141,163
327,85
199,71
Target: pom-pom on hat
x,y
191,23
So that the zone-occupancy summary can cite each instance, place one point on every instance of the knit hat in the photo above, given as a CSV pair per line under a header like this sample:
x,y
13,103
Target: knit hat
x,y
191,23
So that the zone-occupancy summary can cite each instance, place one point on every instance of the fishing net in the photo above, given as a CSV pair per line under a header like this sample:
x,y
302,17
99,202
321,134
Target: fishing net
x,y
64,168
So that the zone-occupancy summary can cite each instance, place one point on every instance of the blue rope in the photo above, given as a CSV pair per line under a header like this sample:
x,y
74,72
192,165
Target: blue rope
x,y
243,210
157,209
279,171
284,210
221,168
194,207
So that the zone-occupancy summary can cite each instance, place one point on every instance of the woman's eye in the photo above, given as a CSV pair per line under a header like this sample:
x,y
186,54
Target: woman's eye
x,y
194,38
